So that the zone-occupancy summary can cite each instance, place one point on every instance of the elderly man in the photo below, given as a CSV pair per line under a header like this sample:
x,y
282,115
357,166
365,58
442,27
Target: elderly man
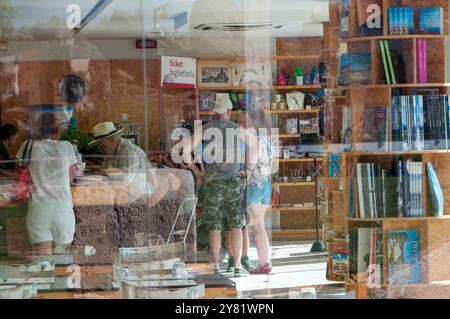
x,y
122,156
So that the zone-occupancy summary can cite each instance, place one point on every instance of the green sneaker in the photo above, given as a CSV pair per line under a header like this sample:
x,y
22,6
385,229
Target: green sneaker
x,y
245,261
230,264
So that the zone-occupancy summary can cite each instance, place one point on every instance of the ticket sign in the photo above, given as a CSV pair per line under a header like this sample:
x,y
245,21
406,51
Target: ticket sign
x,y
178,72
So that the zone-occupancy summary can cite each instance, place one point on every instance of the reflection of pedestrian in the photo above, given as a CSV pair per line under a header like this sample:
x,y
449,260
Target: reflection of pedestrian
x,y
224,186
50,216
259,197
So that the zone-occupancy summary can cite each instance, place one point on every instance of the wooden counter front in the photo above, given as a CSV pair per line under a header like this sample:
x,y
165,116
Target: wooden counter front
x,y
104,193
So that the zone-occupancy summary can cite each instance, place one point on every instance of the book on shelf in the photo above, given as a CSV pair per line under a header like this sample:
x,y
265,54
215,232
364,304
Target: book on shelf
x,y
390,63
408,122
431,20
385,63
382,192
370,17
346,133
366,255
410,203
393,62
355,69
436,204
351,194
345,18
403,257
422,60
400,20
292,126
375,129
420,122
334,165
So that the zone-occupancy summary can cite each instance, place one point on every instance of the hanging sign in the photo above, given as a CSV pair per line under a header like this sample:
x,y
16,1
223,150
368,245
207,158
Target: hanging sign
x,y
178,72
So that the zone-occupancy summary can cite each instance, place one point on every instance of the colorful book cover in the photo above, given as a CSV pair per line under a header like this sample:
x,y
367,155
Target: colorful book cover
x,y
334,165
403,254
292,126
431,20
354,69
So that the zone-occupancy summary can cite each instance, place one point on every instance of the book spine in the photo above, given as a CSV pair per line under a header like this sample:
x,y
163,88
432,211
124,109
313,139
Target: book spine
x,y
391,68
362,213
410,20
391,21
424,61
419,60
386,69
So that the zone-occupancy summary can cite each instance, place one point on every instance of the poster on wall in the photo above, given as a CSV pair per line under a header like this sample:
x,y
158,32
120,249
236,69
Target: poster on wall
x,y
178,72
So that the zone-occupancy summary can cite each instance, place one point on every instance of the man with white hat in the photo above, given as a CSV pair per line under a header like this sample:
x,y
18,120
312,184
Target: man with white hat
x,y
122,156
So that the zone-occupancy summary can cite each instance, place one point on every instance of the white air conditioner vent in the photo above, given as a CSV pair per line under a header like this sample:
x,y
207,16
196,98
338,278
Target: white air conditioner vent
x,y
237,26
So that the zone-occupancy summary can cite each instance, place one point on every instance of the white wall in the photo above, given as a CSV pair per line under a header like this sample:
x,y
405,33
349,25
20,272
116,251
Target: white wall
x,y
123,49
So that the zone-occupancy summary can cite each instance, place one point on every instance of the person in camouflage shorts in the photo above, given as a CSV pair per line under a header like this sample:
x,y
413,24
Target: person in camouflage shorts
x,y
224,189
223,204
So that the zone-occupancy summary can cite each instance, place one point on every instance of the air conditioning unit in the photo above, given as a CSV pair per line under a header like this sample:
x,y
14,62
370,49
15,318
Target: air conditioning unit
x,y
237,26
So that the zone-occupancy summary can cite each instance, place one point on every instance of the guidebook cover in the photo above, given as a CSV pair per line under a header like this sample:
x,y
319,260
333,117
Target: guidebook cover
x,y
355,68
403,257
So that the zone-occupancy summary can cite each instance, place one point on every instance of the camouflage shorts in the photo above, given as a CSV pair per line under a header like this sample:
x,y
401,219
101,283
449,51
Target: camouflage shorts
x,y
223,204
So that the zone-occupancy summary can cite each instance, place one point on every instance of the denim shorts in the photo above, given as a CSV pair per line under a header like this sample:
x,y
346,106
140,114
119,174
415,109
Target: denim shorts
x,y
258,196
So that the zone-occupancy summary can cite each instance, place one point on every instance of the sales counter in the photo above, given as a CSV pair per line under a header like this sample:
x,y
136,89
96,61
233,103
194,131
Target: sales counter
x,y
106,219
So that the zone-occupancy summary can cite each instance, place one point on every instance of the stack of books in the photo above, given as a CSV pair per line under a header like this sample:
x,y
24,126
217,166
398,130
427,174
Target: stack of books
x,y
366,255
410,202
401,21
408,123
383,192
420,122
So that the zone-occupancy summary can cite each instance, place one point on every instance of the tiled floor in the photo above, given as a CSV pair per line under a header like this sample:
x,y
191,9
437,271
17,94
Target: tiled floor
x,y
294,268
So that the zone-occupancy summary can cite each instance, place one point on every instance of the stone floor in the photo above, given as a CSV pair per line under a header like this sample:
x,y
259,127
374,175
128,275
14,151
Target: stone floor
x,y
294,269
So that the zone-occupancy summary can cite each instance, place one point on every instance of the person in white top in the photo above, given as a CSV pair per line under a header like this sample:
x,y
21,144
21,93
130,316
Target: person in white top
x,y
50,216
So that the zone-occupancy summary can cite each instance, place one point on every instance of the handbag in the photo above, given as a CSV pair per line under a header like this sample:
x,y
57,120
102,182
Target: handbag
x,y
23,185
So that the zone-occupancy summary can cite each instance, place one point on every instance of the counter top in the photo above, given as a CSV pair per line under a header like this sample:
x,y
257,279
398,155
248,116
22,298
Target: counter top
x,y
86,194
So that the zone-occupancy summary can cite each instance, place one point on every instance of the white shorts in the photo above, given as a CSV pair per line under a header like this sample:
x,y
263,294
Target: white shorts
x,y
51,223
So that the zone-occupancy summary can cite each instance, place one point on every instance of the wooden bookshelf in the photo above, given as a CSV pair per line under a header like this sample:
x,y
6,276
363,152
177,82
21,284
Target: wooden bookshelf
x,y
294,184
298,160
259,88
294,209
395,37
434,232
312,111
291,53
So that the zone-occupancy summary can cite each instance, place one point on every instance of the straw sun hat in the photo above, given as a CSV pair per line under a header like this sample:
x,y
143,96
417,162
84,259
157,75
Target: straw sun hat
x,y
103,131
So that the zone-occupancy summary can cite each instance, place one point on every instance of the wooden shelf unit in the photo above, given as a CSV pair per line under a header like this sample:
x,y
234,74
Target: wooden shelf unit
x,y
290,54
434,232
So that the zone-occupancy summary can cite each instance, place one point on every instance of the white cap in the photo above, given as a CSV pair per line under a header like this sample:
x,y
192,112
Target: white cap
x,y
223,103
